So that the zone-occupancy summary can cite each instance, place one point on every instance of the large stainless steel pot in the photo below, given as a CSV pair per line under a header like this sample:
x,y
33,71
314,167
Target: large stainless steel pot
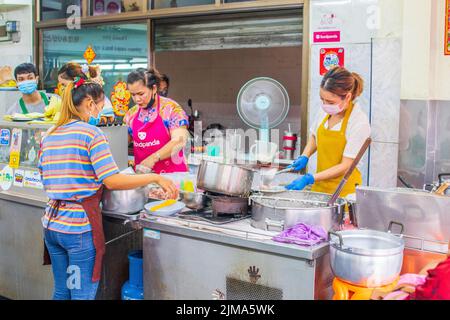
x,y
124,201
366,258
227,179
285,210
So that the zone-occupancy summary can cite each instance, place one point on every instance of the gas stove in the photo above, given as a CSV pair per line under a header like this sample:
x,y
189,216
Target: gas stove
x,y
210,216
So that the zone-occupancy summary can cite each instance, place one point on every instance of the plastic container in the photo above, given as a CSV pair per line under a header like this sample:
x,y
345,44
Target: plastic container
x,y
133,289
182,179
166,211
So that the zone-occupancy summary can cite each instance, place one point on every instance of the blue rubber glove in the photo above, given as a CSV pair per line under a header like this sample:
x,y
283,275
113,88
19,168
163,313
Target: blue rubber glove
x,y
301,183
300,163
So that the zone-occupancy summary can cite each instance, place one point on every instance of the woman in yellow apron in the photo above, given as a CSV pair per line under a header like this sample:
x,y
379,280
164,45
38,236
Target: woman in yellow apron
x,y
337,136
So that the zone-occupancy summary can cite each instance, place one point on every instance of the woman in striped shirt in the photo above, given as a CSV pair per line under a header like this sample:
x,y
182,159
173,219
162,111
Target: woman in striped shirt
x,y
75,162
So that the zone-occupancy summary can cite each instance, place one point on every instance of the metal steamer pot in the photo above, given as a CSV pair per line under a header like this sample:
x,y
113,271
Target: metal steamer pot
x,y
227,179
285,210
367,258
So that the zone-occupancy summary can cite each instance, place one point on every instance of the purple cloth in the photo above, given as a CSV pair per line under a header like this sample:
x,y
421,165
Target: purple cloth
x,y
302,234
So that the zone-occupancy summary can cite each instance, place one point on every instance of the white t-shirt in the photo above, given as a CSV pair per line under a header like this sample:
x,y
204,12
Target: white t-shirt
x,y
358,130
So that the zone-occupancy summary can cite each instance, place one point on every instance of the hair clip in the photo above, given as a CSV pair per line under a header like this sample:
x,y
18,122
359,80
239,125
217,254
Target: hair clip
x,y
78,82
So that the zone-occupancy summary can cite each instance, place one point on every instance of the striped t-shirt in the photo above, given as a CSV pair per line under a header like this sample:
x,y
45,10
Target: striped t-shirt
x,y
74,160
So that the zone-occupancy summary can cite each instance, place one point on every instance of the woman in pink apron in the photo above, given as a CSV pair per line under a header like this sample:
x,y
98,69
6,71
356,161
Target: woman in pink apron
x,y
157,125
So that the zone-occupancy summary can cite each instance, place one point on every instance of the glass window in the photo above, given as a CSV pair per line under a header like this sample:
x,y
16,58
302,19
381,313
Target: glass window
x,y
119,49
51,9
105,7
159,4
267,29
29,149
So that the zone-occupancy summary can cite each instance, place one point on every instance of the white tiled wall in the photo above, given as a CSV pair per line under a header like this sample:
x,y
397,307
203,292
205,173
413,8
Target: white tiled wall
x,y
385,112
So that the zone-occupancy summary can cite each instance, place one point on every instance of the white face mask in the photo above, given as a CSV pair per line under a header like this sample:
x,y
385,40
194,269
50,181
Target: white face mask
x,y
331,109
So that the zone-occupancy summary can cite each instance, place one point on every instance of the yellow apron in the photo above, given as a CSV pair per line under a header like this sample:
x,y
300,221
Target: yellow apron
x,y
330,150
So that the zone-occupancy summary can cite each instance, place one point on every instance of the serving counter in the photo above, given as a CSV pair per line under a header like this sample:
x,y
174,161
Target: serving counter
x,y
198,260
22,203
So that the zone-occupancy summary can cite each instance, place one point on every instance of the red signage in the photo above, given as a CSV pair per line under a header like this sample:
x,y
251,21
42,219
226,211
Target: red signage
x,y
330,58
327,36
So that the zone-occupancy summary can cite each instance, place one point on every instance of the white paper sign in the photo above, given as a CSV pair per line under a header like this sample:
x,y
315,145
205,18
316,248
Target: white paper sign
x,y
6,178
32,179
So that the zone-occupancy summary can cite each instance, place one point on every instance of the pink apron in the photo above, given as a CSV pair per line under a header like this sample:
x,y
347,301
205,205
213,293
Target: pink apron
x,y
150,137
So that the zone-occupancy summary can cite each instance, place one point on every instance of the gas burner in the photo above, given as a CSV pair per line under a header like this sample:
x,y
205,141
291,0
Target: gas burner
x,y
209,216
228,205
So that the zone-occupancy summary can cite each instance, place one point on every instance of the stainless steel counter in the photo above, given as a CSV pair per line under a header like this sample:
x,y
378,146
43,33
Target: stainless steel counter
x,y
198,260
239,233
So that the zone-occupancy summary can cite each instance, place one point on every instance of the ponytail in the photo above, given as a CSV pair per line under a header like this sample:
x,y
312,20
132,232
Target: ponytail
x,y
358,86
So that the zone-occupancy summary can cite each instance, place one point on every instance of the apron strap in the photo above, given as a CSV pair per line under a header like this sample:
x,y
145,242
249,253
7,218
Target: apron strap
x,y
348,112
44,98
22,106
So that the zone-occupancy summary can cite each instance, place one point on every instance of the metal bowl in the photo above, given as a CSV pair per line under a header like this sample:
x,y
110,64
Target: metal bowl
x,y
124,201
193,200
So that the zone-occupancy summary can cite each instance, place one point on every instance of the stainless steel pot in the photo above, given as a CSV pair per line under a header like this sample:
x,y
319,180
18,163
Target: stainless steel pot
x,y
194,200
227,179
124,201
285,210
366,258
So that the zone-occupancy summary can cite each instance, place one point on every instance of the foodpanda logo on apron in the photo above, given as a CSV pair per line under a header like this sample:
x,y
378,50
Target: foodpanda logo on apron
x,y
147,144
142,135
